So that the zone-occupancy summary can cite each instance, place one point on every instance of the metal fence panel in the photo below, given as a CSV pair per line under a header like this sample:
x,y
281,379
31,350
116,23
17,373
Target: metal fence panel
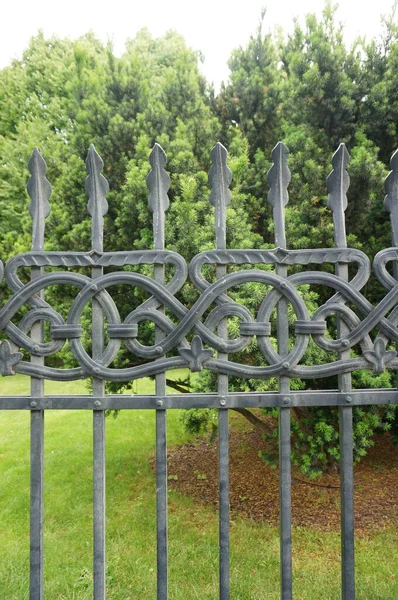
x,y
197,337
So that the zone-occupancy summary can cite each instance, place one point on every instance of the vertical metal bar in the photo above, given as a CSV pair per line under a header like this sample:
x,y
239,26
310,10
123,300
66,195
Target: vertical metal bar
x,y
97,188
338,182
36,490
158,183
223,462
279,178
99,477
285,500
39,190
346,473
161,474
220,178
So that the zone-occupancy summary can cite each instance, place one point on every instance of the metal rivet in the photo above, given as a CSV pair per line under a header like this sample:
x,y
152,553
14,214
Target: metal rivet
x,y
97,403
159,350
33,404
159,403
223,402
286,400
96,369
286,365
283,285
36,348
345,343
348,399
94,288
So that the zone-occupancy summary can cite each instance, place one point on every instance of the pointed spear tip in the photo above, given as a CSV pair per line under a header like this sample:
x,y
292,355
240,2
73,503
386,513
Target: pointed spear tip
x,y
34,157
220,176
280,149
157,146
391,184
157,154
93,158
219,145
281,145
341,152
218,148
158,180
91,151
394,160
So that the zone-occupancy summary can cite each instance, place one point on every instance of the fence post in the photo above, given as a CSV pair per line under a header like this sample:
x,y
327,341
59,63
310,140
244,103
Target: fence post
x,y
337,183
279,178
39,190
220,178
158,183
97,188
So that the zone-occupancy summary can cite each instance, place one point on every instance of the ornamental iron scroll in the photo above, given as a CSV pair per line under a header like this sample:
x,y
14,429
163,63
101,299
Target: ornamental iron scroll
x,y
200,323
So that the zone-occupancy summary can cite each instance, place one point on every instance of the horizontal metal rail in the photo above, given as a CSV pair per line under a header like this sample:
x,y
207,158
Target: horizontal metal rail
x,y
180,401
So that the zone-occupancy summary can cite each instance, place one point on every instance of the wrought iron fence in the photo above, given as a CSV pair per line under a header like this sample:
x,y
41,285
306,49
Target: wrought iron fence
x,y
206,325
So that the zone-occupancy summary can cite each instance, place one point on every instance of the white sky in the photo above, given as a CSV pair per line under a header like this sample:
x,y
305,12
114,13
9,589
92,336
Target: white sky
x,y
213,26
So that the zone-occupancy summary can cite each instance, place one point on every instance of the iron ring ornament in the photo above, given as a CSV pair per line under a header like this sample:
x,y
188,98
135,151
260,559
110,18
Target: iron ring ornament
x,y
190,335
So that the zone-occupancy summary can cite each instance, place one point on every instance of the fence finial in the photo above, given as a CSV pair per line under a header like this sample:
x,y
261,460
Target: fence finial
x,y
391,198
279,178
97,188
220,178
39,190
158,182
338,182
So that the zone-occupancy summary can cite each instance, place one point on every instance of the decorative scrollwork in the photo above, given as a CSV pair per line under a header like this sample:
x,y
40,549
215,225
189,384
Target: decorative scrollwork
x,y
368,330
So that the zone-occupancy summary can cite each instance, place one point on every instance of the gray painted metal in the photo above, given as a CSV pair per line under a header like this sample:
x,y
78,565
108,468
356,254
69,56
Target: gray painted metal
x,y
220,178
39,190
278,196
196,337
97,188
338,182
158,183
231,400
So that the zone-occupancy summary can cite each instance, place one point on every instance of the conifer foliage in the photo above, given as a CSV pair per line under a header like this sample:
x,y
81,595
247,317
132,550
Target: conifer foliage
x,y
307,89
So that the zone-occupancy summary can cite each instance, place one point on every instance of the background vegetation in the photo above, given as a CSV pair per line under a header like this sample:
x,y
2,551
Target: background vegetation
x,y
307,89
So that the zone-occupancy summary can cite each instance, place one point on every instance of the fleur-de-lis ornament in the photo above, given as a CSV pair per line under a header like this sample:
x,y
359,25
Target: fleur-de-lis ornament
x,y
379,357
8,359
196,355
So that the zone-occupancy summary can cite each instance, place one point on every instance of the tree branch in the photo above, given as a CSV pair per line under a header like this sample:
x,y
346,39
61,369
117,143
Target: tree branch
x,y
182,386
258,423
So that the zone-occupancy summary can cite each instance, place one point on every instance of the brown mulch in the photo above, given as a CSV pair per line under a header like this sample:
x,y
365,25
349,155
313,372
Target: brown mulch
x,y
193,470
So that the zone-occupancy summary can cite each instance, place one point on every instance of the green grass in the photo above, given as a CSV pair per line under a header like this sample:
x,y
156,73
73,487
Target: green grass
x,y
131,524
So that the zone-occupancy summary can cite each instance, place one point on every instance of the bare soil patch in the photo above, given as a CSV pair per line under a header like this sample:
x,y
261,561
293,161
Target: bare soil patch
x,y
193,470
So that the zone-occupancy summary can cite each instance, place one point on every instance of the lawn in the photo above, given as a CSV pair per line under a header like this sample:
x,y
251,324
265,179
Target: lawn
x,y
131,551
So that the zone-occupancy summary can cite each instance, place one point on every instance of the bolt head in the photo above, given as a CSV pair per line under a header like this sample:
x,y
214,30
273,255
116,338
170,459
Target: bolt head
x,y
286,400
286,365
348,399
223,402
345,343
159,350
94,288
159,403
96,369
33,404
36,348
97,403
